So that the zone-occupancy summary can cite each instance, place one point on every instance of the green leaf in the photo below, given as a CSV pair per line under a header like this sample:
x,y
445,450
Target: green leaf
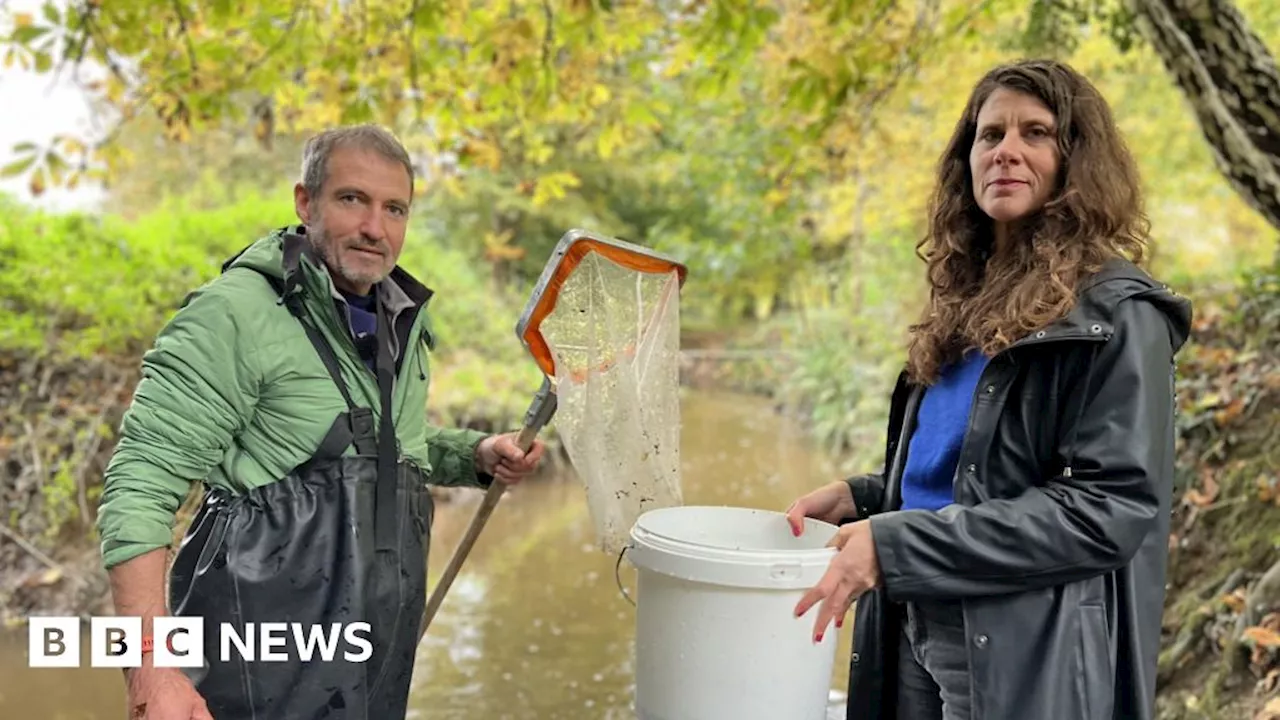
x,y
17,167
26,34
51,13
44,61
639,114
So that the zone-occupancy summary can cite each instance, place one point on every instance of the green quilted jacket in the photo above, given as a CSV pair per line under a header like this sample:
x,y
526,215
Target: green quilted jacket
x,y
234,395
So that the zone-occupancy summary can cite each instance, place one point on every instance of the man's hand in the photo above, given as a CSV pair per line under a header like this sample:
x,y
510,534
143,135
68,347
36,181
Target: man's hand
x,y
137,586
164,694
499,456
853,571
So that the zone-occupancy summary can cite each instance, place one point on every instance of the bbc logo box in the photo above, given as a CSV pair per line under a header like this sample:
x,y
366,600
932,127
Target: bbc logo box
x,y
53,642
114,642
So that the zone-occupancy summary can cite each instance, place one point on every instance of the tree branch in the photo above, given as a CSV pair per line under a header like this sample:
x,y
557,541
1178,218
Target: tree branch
x,y
549,38
186,36
1232,84
275,46
31,549
81,37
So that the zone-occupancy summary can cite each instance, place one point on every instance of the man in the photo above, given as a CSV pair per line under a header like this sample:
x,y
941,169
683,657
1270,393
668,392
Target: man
x,y
294,387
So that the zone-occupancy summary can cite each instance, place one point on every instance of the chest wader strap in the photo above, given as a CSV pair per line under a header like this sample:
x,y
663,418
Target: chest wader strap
x,y
361,426
359,429
384,523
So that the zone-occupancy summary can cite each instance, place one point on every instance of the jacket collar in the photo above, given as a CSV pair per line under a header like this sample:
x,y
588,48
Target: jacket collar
x,y
1098,297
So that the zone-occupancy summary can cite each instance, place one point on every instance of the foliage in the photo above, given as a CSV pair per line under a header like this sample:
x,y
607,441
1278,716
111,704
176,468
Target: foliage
x,y
1233,367
1056,25
742,137
841,385
80,285
1221,604
116,282
477,79
224,165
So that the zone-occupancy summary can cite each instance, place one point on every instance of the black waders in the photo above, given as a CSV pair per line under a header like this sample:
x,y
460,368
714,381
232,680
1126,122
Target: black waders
x,y
339,540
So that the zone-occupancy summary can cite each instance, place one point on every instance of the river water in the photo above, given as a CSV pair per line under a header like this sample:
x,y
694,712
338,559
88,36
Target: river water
x,y
535,625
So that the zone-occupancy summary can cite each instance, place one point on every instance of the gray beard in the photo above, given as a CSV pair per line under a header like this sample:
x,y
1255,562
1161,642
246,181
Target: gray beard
x,y
320,244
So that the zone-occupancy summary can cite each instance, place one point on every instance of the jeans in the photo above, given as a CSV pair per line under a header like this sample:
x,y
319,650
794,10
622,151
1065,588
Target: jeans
x,y
933,664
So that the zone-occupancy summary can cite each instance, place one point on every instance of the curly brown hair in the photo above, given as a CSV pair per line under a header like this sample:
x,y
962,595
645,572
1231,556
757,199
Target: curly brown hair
x,y
986,300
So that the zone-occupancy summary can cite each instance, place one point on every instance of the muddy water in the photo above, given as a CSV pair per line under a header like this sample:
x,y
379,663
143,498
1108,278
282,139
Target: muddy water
x,y
535,626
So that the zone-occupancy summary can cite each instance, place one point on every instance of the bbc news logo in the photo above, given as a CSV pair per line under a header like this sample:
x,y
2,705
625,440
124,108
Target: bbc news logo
x,y
178,642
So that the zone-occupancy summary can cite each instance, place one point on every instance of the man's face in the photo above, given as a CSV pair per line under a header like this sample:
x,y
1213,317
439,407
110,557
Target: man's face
x,y
357,222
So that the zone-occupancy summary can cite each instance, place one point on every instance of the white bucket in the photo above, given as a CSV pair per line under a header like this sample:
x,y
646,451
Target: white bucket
x,y
716,632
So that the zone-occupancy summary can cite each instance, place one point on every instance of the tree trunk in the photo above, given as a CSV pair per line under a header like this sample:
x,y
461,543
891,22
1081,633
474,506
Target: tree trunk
x,y
1231,81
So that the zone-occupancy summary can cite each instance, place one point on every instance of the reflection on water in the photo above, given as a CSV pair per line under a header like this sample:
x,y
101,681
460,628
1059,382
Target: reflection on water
x,y
535,625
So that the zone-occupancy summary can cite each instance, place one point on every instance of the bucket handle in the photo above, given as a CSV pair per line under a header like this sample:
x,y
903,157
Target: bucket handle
x,y
617,568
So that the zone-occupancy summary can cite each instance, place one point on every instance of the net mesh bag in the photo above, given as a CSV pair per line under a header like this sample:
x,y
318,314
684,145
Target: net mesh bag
x,y
615,338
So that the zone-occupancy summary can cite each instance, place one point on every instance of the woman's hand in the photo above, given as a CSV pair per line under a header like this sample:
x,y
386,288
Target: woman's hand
x,y
830,503
853,571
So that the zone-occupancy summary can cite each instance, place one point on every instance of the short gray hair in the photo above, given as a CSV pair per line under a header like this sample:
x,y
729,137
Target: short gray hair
x,y
316,152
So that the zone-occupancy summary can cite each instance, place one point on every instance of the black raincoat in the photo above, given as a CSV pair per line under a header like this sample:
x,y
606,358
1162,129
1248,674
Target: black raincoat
x,y
1057,542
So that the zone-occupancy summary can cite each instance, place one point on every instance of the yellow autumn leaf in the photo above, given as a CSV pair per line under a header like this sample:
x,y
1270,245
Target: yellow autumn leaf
x,y
776,196
553,186
609,140
539,152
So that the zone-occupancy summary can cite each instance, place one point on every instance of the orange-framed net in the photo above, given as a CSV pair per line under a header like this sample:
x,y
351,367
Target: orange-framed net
x,y
635,260
606,328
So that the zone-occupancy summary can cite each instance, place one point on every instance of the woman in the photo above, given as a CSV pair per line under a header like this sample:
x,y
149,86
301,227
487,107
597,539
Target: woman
x,y
1008,563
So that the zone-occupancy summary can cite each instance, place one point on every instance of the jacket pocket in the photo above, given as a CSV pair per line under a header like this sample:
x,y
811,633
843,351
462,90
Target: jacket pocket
x,y
1097,669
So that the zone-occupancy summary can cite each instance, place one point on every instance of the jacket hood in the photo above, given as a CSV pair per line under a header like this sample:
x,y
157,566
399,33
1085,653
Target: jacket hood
x,y
266,256
1117,281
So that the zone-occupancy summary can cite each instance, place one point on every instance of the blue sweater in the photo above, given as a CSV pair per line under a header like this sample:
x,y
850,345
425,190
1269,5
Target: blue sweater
x,y
927,480
364,324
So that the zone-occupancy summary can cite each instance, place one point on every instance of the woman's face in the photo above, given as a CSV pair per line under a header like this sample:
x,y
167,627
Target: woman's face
x,y
1014,159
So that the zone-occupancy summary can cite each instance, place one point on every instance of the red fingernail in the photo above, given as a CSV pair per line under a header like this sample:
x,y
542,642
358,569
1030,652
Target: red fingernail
x,y
839,622
818,637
